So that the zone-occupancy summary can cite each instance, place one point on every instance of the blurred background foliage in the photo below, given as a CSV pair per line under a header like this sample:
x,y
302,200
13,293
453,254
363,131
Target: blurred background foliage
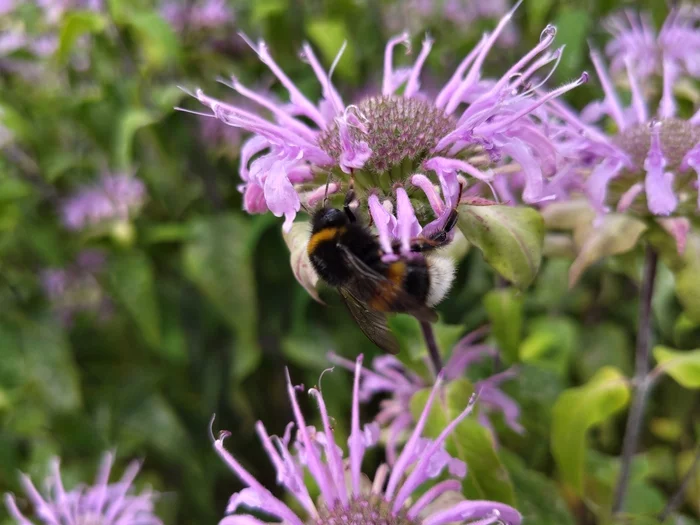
x,y
193,308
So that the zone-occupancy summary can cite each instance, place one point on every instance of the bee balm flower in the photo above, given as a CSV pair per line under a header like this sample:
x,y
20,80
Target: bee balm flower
x,y
651,162
388,139
389,376
345,495
114,199
103,503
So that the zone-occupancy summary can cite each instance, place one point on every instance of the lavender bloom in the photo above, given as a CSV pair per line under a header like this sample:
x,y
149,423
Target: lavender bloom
x,y
390,376
104,503
115,198
345,495
652,155
76,289
200,15
218,135
394,139
55,9
415,14
676,45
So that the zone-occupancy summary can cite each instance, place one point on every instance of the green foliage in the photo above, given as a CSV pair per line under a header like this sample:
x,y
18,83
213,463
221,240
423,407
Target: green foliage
x,y
577,411
470,442
683,366
509,237
505,310
196,310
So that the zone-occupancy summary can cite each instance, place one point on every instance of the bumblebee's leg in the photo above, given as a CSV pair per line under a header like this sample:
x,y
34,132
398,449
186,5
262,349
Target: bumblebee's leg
x,y
437,238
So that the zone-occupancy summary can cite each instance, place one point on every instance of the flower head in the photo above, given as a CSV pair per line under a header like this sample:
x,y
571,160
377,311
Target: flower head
x,y
417,14
636,41
396,138
55,9
345,495
201,15
103,503
76,288
116,198
389,376
647,164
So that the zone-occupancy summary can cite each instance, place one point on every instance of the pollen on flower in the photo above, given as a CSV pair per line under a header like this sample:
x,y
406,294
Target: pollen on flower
x,y
677,138
370,510
395,128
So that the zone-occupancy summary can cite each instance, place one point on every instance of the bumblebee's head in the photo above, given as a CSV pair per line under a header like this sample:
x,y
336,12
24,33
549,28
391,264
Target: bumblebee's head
x,y
328,218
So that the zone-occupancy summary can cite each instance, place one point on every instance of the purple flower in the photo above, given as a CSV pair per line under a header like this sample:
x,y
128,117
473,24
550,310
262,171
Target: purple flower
x,y
394,140
200,15
390,376
116,198
416,14
636,41
648,163
55,9
76,288
346,496
104,503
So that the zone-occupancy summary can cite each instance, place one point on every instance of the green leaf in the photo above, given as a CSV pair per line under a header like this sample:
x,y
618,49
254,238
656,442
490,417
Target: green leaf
x,y
551,343
510,238
75,25
615,235
572,25
264,9
127,126
681,365
159,43
50,365
504,307
470,442
536,13
218,260
166,433
605,344
329,36
132,284
578,410
539,498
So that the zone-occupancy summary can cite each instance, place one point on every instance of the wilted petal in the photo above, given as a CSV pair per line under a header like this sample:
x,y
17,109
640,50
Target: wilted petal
x,y
678,228
297,240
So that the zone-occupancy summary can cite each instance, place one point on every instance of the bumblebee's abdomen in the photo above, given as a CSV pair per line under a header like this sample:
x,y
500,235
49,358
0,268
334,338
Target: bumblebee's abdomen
x,y
417,280
401,277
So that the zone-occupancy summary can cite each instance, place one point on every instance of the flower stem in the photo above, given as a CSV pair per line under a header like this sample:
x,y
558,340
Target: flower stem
x,y
677,498
641,380
433,350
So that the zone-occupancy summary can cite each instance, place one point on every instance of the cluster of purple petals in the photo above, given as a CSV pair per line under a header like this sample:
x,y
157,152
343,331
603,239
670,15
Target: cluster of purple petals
x,y
343,490
200,15
76,289
55,9
114,198
653,152
281,162
459,13
389,376
103,503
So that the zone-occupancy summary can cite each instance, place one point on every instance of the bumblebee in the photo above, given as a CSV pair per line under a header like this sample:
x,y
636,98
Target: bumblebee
x,y
348,256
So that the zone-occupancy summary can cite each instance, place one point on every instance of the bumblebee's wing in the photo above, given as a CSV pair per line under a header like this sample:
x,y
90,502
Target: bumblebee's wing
x,y
372,323
368,283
